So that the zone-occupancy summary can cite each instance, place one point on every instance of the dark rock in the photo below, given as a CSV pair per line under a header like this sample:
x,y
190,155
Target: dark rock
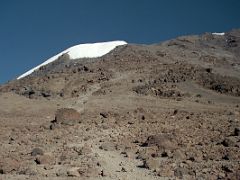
x,y
54,126
85,68
123,169
175,112
231,156
237,131
209,70
164,154
104,114
46,94
198,95
229,142
227,168
37,151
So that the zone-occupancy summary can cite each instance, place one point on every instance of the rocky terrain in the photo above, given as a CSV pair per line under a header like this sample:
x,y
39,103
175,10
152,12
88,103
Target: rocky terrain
x,y
161,111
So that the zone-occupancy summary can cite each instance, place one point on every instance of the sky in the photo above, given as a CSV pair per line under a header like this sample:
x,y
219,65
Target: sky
x,y
31,31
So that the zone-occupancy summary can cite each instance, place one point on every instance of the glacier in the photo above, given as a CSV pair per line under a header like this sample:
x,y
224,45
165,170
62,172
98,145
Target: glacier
x,y
88,50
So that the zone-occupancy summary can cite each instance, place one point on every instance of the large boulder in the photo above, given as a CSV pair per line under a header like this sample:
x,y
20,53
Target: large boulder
x,y
8,165
67,116
45,159
162,141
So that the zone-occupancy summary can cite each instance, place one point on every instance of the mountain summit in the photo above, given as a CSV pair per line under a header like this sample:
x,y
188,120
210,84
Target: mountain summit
x,y
90,50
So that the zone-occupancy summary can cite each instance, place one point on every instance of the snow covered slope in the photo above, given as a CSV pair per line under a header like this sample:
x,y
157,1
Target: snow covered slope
x,y
93,50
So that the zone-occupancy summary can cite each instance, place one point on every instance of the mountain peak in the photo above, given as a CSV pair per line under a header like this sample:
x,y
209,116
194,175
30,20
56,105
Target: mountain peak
x,y
88,50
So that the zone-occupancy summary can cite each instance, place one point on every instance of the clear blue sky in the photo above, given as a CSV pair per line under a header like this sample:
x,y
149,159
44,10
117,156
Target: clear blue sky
x,y
33,30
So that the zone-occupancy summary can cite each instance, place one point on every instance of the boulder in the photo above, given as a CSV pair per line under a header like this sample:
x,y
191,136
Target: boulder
x,y
108,146
162,141
8,165
179,155
67,116
151,163
73,172
37,151
45,159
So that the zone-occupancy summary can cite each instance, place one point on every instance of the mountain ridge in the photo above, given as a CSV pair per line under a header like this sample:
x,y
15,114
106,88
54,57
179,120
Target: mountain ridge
x,y
208,43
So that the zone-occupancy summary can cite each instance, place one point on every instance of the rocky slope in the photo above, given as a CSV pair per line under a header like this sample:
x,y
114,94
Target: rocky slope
x,y
162,111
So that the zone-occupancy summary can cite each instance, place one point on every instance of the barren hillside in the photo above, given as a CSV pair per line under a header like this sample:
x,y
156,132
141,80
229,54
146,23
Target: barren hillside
x,y
161,111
